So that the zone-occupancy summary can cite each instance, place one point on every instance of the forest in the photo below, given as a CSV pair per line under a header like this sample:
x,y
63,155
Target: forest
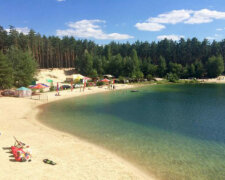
x,y
186,58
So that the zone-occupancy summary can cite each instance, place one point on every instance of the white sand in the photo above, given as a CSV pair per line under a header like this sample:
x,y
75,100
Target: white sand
x,y
75,158
56,74
219,79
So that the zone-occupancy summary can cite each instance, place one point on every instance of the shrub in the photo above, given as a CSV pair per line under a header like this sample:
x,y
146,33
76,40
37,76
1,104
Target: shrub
x,y
149,77
171,77
121,78
99,83
51,88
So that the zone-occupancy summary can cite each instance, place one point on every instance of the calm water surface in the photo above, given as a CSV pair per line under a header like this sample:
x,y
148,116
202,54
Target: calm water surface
x,y
171,131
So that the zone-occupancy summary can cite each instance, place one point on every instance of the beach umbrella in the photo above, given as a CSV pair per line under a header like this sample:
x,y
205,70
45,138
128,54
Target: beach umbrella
x,y
44,85
39,86
49,80
105,80
87,78
78,77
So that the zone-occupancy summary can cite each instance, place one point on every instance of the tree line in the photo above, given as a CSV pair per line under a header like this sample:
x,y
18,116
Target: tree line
x,y
17,68
182,59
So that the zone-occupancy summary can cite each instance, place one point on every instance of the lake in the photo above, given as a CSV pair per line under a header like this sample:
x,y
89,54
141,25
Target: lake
x,y
172,131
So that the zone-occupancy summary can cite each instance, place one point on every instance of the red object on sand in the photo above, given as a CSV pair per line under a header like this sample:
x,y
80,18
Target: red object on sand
x,y
15,153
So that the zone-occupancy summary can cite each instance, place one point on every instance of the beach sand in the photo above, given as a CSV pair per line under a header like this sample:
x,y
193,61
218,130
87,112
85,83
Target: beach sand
x,y
75,158
219,79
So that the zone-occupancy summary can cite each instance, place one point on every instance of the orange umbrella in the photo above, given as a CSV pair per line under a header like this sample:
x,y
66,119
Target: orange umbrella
x,y
38,86
105,80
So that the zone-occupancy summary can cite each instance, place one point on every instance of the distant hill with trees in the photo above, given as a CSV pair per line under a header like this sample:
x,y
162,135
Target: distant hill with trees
x,y
183,59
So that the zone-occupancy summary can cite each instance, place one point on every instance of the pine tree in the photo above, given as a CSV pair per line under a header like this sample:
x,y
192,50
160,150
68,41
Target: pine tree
x,y
6,75
162,66
215,66
24,67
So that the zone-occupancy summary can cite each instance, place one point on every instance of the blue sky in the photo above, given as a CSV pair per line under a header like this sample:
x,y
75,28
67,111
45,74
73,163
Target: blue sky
x,y
117,20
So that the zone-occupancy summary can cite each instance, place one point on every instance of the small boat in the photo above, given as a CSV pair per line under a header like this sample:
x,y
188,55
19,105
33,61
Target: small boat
x,y
134,91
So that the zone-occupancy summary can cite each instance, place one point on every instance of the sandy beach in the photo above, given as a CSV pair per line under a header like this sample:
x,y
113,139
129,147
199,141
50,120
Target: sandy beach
x,y
75,158
219,79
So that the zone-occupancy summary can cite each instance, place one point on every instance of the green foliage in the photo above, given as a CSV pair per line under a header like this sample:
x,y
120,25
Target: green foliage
x,y
6,72
149,77
215,66
162,67
94,73
199,69
24,66
192,70
99,83
186,58
51,88
171,77
115,65
98,64
175,68
121,79
87,64
41,90
139,75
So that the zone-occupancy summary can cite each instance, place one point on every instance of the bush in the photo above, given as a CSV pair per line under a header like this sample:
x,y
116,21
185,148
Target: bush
x,y
215,66
171,77
51,88
99,83
41,90
121,79
149,77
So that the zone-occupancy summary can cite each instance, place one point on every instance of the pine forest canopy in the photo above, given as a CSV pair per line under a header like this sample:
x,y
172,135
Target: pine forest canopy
x,y
185,58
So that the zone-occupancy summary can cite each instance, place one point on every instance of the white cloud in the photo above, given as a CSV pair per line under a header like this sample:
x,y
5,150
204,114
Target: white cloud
x,y
214,37
24,30
180,16
220,29
90,29
170,37
172,17
61,0
205,16
149,26
211,38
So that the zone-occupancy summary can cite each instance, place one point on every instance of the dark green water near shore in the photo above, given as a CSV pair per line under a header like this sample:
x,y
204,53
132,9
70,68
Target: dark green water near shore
x,y
171,131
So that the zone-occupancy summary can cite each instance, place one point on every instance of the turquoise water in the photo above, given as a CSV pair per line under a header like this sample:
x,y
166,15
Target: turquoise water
x,y
171,131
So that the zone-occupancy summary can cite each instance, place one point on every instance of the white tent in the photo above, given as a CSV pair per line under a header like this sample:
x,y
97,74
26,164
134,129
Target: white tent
x,y
23,92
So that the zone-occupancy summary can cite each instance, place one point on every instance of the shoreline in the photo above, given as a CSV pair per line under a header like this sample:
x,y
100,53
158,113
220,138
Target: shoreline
x,y
75,157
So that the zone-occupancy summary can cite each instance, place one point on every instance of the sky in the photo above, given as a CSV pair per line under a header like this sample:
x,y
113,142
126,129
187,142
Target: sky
x,y
122,21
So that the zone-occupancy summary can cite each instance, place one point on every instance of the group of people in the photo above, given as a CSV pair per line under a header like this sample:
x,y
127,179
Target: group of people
x,y
112,86
21,151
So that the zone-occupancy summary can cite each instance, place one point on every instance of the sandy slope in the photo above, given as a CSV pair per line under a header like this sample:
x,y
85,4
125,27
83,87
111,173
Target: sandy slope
x,y
55,74
76,159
